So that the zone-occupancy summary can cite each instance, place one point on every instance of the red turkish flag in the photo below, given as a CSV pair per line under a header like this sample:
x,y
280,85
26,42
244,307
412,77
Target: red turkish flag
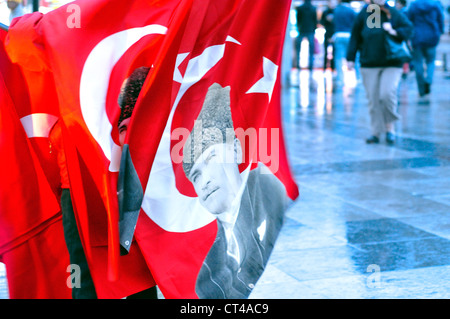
x,y
211,63
30,217
89,64
227,69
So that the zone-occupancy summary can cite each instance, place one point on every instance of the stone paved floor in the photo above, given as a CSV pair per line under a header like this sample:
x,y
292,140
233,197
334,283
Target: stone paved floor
x,y
373,221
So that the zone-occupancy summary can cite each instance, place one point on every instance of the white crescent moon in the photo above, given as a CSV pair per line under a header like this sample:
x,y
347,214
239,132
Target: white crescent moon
x,y
166,206
163,203
95,80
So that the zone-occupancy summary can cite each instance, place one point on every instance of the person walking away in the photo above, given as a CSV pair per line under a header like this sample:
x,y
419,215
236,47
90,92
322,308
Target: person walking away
x,y
379,75
326,20
402,6
306,22
427,16
344,17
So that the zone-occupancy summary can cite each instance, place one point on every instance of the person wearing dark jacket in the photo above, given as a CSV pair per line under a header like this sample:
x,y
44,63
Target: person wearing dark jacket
x,y
344,17
326,21
380,76
306,23
428,19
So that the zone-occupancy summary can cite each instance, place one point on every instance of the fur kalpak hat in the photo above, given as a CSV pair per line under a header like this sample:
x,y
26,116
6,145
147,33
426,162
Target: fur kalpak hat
x,y
129,92
214,125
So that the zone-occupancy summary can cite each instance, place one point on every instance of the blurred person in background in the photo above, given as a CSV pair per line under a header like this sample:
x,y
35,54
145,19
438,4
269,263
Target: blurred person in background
x,y
16,8
326,20
427,17
402,6
380,76
344,17
306,22
448,11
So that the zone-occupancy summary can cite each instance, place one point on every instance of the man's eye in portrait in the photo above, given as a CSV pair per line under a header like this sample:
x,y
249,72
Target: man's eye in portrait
x,y
210,157
195,176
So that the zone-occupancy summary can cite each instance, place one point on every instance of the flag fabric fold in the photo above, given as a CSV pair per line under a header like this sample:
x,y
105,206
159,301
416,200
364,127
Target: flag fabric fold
x,y
31,236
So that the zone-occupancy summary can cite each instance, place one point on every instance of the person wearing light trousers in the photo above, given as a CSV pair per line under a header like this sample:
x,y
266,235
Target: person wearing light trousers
x,y
380,76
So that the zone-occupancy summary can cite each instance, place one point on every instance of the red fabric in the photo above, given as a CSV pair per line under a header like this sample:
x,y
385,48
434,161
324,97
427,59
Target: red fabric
x,y
57,146
26,197
38,43
210,23
37,267
133,273
251,34
31,241
179,256
259,27
36,189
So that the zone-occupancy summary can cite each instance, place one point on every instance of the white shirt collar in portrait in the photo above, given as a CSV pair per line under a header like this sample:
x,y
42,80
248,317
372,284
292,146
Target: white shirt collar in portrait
x,y
228,219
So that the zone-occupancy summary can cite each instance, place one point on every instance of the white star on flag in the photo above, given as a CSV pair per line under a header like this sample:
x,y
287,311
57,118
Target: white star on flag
x,y
267,83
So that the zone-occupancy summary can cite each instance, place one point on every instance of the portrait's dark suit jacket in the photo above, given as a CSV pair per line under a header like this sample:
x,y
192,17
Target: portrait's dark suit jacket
x,y
264,200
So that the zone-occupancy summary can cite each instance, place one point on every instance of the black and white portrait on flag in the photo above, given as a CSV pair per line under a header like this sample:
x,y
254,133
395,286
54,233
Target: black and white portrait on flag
x,y
248,219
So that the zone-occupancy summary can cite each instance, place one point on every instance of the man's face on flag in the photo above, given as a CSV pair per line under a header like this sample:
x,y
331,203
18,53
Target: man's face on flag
x,y
216,178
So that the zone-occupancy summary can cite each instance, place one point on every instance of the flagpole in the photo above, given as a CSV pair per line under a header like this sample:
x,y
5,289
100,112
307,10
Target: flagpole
x,y
4,27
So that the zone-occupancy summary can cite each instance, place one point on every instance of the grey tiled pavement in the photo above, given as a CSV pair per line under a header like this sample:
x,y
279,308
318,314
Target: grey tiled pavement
x,y
372,221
